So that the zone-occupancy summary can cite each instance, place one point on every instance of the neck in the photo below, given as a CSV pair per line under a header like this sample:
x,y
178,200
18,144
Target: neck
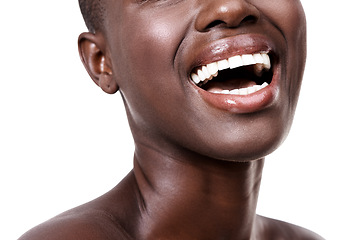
x,y
195,198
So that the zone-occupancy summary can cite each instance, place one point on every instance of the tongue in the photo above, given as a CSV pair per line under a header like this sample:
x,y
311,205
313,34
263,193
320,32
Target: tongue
x,y
228,84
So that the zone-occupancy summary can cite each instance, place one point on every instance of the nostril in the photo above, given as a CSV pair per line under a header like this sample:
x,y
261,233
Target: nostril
x,y
215,23
248,19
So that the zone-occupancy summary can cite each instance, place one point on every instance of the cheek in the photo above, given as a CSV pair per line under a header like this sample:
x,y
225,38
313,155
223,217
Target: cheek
x,y
289,12
294,28
289,17
145,67
150,47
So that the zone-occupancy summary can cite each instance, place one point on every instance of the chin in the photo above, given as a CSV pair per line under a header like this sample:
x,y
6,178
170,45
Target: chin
x,y
241,144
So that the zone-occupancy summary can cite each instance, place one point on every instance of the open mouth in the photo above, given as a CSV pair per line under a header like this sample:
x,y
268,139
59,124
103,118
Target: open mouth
x,y
237,75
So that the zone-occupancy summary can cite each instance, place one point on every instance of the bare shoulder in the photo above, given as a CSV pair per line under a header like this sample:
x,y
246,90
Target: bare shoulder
x,y
283,230
78,224
102,218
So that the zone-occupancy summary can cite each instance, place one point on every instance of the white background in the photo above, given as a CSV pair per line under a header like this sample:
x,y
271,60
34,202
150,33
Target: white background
x,y
64,142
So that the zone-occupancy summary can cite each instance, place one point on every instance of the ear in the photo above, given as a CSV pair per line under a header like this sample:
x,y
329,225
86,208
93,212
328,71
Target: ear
x,y
96,61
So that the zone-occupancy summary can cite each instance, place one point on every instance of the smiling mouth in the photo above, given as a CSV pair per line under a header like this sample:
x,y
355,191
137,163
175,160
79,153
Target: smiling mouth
x,y
238,75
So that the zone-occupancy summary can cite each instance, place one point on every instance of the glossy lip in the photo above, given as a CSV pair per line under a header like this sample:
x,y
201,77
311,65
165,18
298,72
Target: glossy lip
x,y
239,45
231,46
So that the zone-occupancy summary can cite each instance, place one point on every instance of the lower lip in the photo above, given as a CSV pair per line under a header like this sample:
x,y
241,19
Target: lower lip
x,y
242,103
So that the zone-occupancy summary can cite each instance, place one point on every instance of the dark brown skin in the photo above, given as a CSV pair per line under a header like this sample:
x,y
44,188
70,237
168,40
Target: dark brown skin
x,y
197,168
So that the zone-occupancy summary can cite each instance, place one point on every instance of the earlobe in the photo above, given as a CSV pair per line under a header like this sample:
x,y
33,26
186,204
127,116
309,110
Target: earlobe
x,y
107,83
93,55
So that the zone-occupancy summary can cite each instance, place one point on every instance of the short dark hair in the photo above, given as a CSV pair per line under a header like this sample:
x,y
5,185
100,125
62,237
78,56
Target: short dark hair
x,y
93,14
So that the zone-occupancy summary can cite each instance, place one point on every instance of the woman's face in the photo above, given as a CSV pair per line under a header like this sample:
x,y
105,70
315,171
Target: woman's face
x,y
157,48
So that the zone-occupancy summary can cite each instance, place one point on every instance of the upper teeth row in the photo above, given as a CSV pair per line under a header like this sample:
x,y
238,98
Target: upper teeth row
x,y
207,72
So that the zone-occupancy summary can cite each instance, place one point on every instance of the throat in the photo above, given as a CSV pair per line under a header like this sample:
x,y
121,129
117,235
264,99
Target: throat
x,y
205,200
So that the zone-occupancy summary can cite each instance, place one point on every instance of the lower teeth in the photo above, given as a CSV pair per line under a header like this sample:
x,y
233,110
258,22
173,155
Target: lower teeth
x,y
241,91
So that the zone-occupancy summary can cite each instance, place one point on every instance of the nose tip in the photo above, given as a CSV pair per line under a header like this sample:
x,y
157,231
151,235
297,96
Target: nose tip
x,y
225,13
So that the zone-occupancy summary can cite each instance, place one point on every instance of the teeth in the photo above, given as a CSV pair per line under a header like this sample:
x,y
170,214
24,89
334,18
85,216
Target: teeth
x,y
235,62
260,60
251,90
195,78
258,69
267,63
212,68
206,72
201,75
241,91
223,64
248,59
234,91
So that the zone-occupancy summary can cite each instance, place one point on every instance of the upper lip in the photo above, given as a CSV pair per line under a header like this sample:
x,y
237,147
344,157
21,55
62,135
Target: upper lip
x,y
227,47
